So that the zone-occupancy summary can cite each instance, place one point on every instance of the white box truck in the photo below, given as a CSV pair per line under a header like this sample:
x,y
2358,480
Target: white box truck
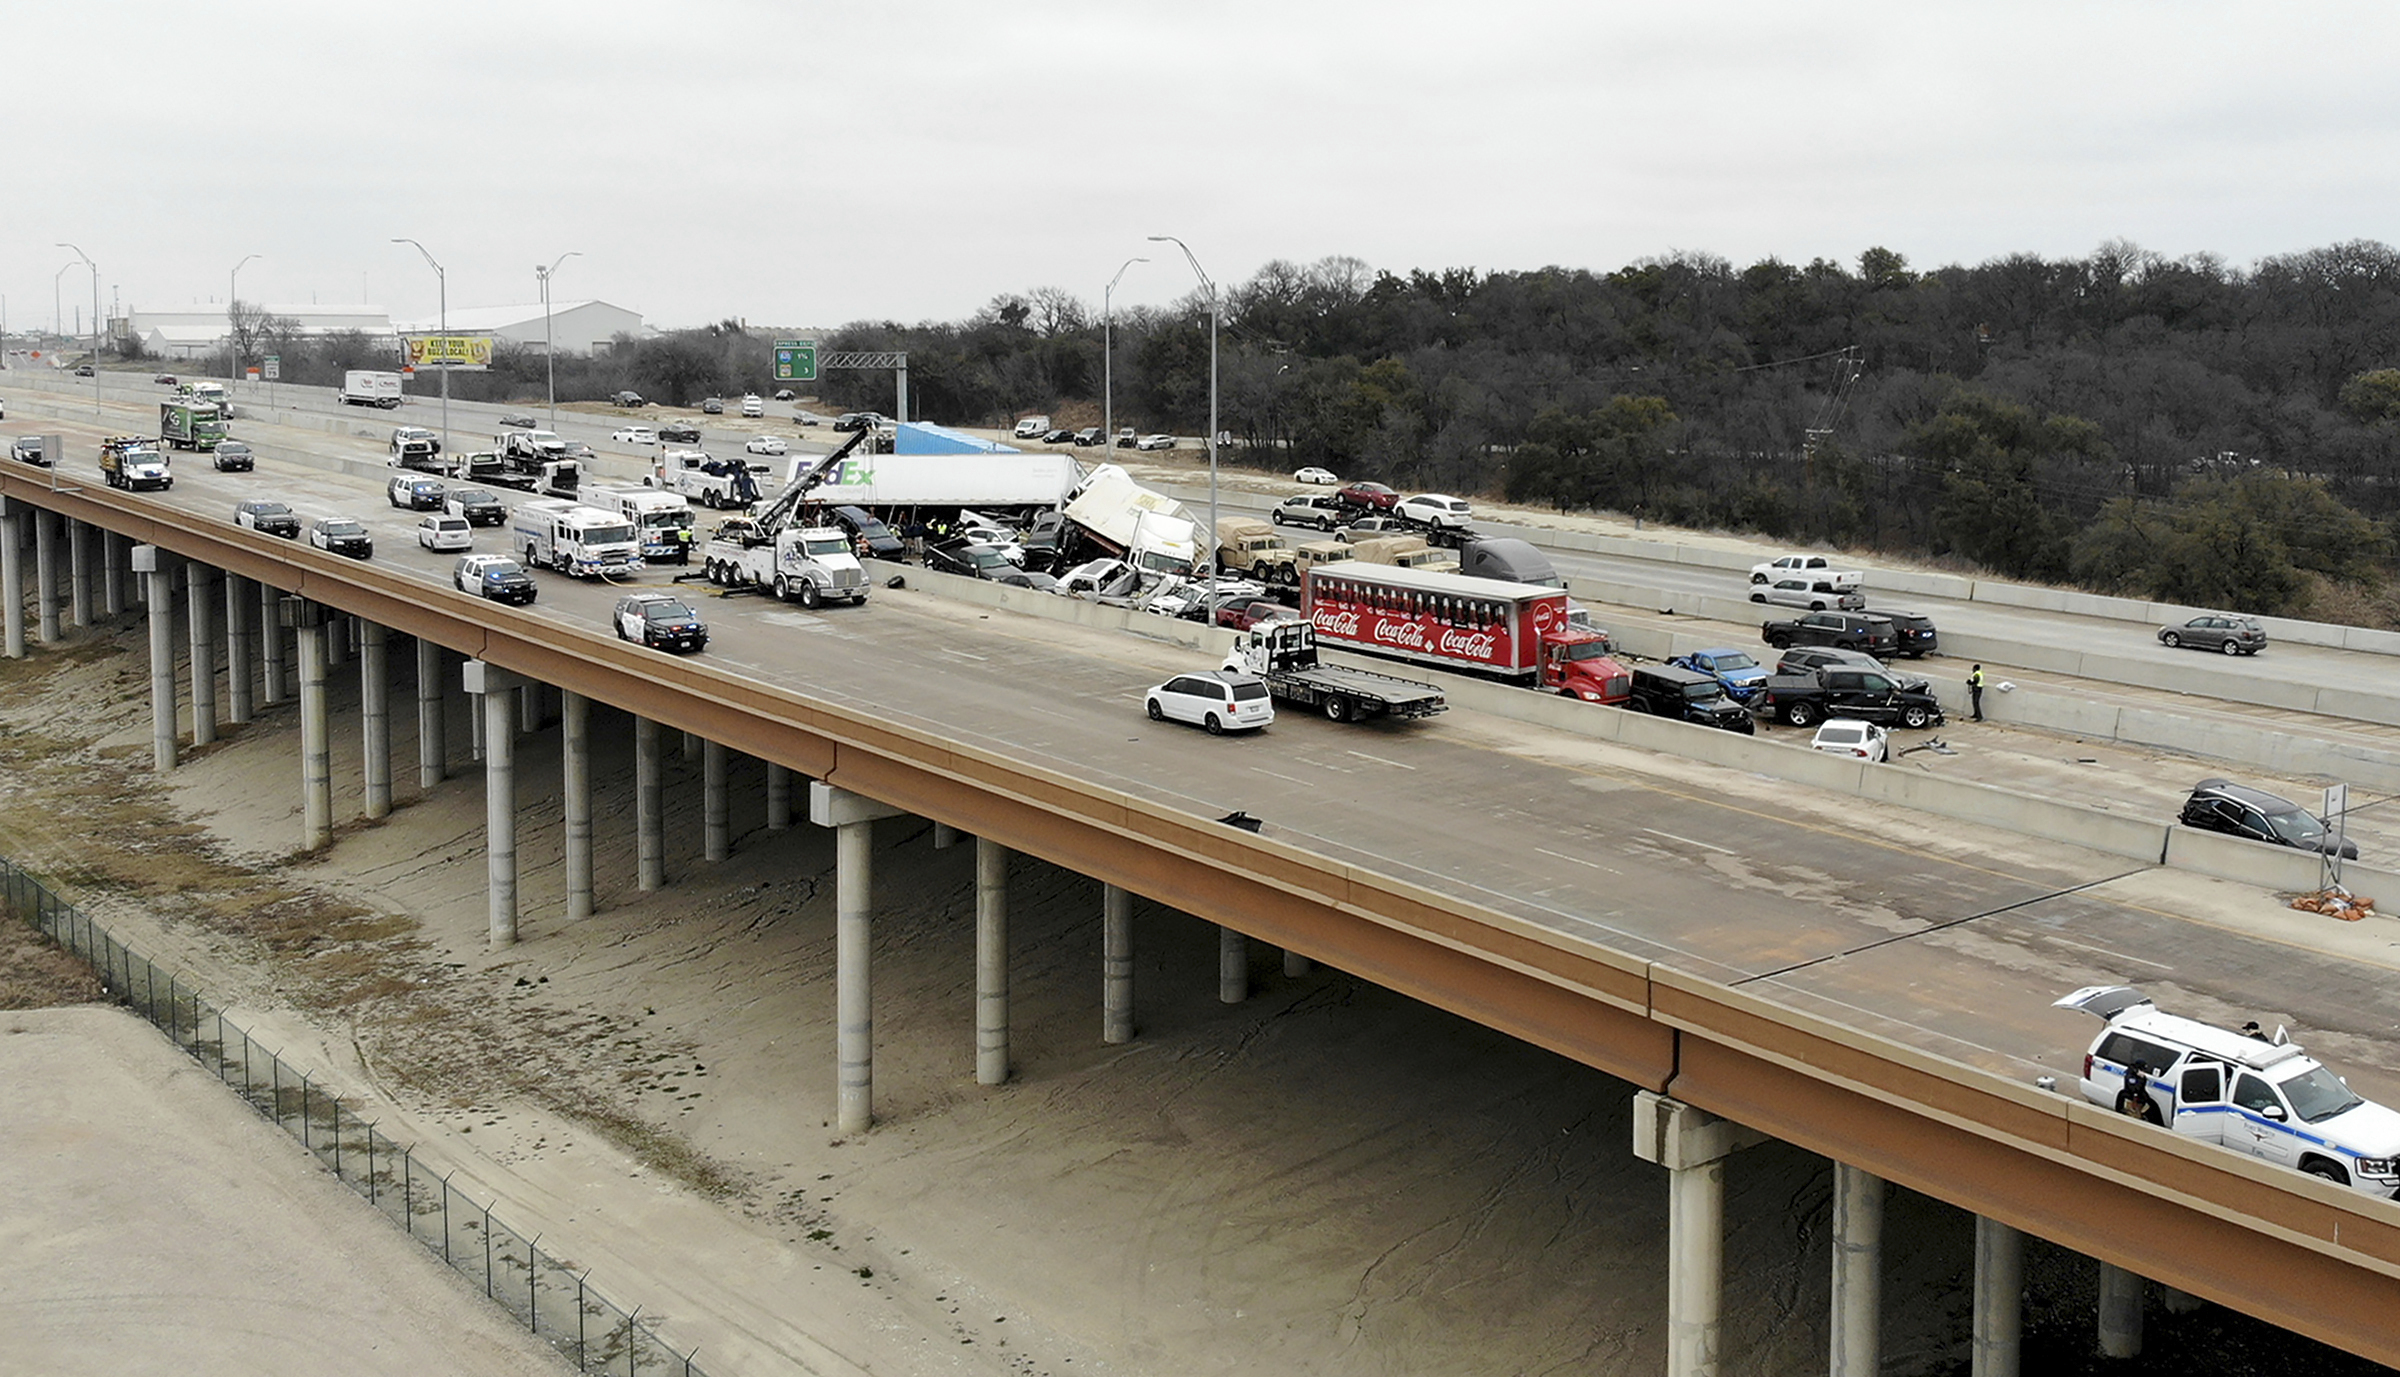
x,y
573,539
365,387
662,521
1147,529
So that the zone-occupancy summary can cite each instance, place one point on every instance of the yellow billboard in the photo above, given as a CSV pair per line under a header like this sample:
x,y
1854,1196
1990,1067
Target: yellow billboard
x,y
465,353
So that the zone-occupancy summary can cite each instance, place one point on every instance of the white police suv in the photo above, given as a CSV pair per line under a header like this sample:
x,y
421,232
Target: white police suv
x,y
2265,1098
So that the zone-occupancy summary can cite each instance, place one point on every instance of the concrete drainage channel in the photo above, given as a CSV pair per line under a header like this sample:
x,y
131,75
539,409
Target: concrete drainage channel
x,y
540,1291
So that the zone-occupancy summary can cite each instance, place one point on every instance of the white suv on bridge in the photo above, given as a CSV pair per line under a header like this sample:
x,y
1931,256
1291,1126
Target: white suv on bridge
x,y
2265,1098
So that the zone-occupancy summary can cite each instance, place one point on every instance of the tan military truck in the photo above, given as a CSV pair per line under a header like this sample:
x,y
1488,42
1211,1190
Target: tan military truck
x,y
1407,551
1318,553
1247,545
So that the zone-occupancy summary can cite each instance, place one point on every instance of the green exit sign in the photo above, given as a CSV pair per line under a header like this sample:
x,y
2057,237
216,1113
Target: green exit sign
x,y
795,360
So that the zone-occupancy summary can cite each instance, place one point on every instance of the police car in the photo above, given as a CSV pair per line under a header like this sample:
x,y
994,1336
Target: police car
x,y
2265,1098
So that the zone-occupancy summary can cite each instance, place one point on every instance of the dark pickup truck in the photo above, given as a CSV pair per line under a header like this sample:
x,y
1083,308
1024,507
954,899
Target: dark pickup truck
x,y
1803,700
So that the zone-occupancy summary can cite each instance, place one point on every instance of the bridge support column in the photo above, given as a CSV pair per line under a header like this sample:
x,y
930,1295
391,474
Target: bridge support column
x,y
853,818
45,574
1692,1145
433,722
691,745
2120,1312
991,962
1295,965
2179,1302
497,688
1999,1299
238,603
13,519
112,573
649,824
307,621
157,567
79,572
1116,964
1233,966
272,687
337,640
944,836
475,735
715,843
1857,1272
529,708
375,715
575,741
779,797
200,598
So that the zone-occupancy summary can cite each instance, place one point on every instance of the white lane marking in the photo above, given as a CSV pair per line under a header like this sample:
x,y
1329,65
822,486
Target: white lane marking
x,y
1687,841
1578,860
1288,778
961,654
1381,761
2112,955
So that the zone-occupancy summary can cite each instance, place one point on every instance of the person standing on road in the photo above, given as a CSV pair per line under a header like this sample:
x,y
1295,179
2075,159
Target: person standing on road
x,y
1975,692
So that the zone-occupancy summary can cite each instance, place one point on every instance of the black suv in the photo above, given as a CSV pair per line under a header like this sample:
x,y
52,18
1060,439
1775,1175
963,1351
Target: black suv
x,y
480,508
1808,659
1867,631
679,433
1917,636
1687,696
2237,810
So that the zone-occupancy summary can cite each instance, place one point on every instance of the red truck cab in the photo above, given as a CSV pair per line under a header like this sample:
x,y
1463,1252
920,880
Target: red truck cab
x,y
1582,664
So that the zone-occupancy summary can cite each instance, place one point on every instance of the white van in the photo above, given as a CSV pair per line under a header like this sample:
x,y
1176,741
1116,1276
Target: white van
x,y
1032,427
2266,1098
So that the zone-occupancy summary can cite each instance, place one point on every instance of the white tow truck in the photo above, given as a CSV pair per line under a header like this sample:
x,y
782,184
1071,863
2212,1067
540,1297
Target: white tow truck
x,y
811,563
574,539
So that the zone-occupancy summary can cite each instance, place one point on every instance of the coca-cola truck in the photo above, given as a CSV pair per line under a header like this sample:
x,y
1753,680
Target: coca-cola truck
x,y
1513,631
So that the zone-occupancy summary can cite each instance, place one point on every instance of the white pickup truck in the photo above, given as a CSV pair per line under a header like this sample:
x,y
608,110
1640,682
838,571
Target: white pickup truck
x,y
1815,568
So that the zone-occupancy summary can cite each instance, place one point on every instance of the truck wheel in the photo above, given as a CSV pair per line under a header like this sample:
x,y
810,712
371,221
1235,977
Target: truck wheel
x,y
2327,1171
1915,718
1337,708
1758,597
783,589
1758,578
1801,714
808,594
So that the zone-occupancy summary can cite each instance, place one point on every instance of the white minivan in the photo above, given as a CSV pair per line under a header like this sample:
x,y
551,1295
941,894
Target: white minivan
x,y
2259,1096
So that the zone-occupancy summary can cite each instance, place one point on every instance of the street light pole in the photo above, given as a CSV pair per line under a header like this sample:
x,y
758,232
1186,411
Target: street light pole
x,y
1212,414
549,348
442,279
87,262
1108,359
233,337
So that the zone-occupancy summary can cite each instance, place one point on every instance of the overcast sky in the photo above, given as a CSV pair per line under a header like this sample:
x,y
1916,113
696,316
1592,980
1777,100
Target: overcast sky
x,y
811,164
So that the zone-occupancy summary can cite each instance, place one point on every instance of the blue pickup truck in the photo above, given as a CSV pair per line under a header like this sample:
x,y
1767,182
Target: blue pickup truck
x,y
1741,677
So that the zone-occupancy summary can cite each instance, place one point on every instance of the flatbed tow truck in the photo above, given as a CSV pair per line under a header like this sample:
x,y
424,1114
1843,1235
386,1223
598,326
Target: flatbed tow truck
x,y
1284,653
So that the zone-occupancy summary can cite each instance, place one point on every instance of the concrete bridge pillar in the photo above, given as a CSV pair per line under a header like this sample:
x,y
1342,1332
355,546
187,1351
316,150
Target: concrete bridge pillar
x,y
337,639
779,797
1857,1272
113,563
1233,966
575,752
497,688
1295,965
2120,1312
944,836
1116,964
238,602
14,516
79,572
691,746
433,723
157,568
1999,1299
1692,1145
529,708
991,962
375,715
715,837
649,821
45,574
853,817
309,632
272,686
200,598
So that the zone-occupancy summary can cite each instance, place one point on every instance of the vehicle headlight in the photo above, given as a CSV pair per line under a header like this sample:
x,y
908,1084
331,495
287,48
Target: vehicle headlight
x,y
2375,1166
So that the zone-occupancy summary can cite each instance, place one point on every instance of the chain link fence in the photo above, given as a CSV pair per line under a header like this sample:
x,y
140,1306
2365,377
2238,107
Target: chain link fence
x,y
544,1293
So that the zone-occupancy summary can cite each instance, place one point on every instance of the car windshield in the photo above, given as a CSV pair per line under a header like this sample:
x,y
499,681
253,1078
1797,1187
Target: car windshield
x,y
874,530
502,568
1736,661
2297,827
1841,736
1699,693
344,528
233,447
1158,563
270,509
469,496
669,611
606,535
986,558
2317,1095
1587,650
828,545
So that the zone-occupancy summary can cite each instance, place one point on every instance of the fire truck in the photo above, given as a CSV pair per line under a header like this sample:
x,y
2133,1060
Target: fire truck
x,y
1516,632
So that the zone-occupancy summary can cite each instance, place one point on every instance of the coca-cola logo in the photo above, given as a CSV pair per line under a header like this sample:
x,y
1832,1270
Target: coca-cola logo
x,y
1343,623
1478,645
1408,635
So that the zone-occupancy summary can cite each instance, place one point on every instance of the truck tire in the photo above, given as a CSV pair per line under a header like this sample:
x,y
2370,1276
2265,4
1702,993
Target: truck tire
x,y
2326,1171
1337,708
1758,597
1758,578
1801,713
809,597
783,589
1915,718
